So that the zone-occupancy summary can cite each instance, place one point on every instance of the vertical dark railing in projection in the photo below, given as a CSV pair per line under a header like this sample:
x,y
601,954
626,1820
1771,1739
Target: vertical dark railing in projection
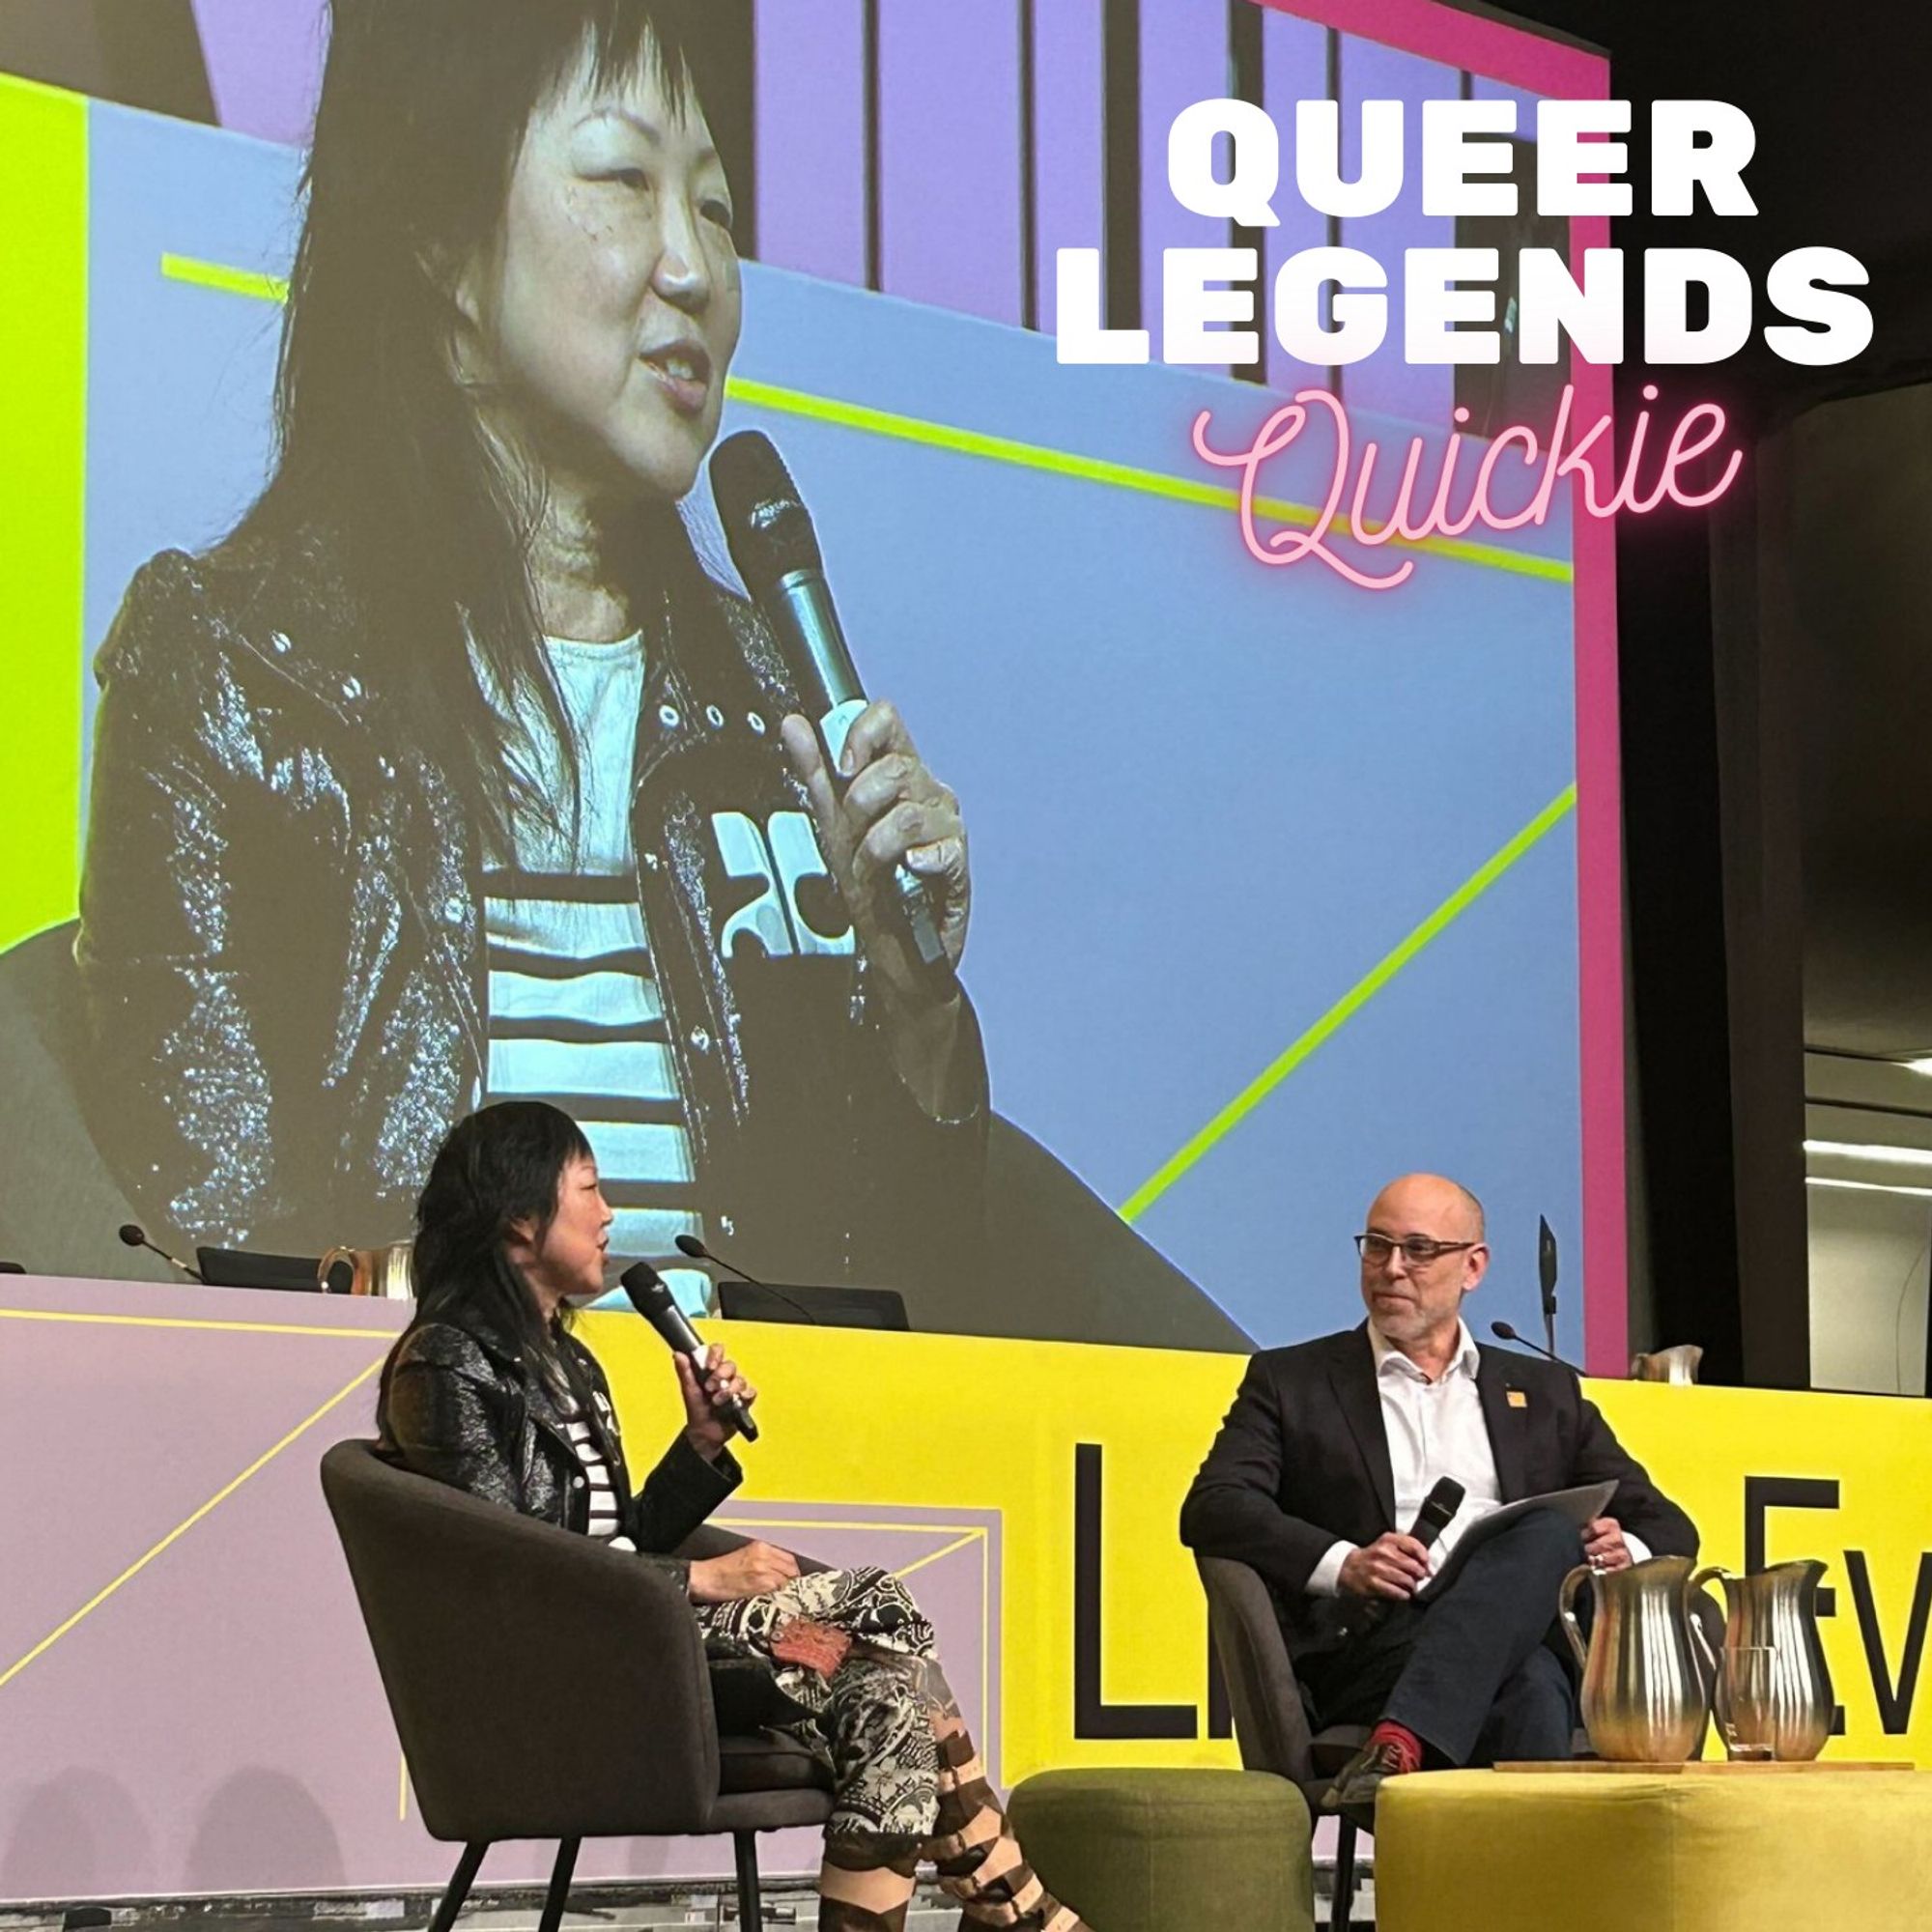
x,y
874,231
1247,80
1122,54
1332,88
1028,173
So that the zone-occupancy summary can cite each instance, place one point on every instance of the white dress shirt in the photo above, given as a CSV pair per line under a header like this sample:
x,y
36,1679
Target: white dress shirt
x,y
1434,1429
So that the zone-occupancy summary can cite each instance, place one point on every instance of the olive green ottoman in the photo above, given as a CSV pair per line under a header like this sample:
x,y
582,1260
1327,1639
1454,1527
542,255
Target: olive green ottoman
x,y
1170,1851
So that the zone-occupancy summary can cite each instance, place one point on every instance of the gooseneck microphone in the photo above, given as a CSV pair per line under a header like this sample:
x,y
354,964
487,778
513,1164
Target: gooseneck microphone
x,y
1438,1510
775,549
652,1299
1503,1332
691,1245
133,1236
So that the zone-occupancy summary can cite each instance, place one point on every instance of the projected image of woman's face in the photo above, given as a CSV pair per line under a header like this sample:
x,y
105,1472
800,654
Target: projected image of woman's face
x,y
608,308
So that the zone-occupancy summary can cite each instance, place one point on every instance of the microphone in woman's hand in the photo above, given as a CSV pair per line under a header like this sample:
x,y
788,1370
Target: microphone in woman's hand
x,y
774,547
652,1299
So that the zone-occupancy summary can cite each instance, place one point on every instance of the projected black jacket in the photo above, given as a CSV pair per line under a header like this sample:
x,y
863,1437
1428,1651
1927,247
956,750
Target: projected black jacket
x,y
282,947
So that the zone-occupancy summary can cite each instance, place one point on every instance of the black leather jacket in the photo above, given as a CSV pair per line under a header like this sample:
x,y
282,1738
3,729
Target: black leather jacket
x,y
283,957
458,1405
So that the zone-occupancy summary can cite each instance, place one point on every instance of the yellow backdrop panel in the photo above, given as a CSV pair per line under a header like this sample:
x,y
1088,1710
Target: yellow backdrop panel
x,y
942,1421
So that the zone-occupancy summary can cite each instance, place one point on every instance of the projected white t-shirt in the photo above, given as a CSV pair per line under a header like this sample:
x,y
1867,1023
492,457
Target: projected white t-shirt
x,y
575,1016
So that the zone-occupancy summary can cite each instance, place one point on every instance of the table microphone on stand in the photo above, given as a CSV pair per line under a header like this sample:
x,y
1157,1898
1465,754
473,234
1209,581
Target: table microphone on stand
x,y
1545,1269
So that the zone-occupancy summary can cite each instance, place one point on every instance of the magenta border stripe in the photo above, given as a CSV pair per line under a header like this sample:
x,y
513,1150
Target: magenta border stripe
x,y
1600,915
950,155
1524,59
1465,41
810,90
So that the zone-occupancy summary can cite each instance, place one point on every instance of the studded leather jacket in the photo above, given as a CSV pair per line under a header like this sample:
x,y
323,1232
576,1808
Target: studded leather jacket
x,y
282,947
459,1406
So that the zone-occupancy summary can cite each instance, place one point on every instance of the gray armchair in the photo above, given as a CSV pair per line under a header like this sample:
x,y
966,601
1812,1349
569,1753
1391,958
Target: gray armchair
x,y
464,1601
1270,1720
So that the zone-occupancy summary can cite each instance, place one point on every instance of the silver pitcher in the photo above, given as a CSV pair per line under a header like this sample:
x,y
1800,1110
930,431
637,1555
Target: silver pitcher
x,y
1644,1698
1667,1365
1774,1689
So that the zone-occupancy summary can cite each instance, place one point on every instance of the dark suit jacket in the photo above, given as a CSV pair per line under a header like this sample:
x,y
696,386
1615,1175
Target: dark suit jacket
x,y
1302,1460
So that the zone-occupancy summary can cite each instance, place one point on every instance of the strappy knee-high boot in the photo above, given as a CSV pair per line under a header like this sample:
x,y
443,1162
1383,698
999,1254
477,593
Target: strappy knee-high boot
x,y
979,1860
866,1882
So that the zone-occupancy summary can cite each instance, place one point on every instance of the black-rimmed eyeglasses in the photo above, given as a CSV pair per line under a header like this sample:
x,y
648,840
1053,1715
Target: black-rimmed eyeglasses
x,y
1417,1250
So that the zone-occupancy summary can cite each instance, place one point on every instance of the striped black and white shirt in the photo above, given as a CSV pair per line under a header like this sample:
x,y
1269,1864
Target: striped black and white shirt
x,y
574,1012
604,1524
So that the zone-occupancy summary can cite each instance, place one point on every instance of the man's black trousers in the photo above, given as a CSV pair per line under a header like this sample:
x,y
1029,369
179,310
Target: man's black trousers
x,y
1472,1672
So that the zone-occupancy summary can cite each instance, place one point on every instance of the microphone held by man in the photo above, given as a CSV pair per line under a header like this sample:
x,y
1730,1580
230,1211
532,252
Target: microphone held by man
x,y
1395,1567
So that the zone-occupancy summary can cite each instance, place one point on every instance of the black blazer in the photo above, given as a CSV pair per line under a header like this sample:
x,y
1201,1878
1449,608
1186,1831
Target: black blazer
x,y
1302,1460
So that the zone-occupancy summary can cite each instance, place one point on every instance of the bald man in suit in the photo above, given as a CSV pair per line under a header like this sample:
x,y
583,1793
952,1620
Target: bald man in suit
x,y
1324,1460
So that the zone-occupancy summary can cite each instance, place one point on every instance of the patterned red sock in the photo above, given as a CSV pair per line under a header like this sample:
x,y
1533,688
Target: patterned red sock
x,y
1407,1746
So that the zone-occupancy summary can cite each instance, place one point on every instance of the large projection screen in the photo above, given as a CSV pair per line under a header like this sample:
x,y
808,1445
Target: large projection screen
x,y
1280,887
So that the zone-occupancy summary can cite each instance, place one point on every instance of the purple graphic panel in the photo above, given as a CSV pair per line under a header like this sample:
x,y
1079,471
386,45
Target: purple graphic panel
x,y
1070,137
810,133
1295,67
950,155
191,1703
264,63
1386,382
1482,88
1183,59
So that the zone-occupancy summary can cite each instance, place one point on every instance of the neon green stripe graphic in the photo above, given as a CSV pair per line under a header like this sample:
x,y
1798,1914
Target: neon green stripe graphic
x,y
229,281
1119,476
44,455
991,449
1346,1007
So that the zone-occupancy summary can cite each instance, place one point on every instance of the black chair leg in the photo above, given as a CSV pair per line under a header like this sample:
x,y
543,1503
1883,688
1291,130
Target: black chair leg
x,y
458,1888
751,1907
558,1895
1343,1902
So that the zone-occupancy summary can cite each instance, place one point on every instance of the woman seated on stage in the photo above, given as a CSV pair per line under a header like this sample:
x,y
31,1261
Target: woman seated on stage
x,y
489,1390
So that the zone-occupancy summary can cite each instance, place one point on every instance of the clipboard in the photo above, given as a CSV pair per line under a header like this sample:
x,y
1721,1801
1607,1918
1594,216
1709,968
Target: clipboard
x,y
1582,1506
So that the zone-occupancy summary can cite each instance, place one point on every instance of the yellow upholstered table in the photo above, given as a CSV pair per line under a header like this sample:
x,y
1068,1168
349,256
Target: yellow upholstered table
x,y
1776,1851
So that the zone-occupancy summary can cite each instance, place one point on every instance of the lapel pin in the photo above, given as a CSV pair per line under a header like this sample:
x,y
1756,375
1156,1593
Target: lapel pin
x,y
1516,1399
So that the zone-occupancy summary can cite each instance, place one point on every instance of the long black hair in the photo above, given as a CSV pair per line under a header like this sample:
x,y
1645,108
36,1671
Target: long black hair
x,y
380,451
499,1165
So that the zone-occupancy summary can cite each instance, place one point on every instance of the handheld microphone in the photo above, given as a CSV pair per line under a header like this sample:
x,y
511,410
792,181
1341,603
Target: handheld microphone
x,y
773,543
652,1299
1545,1269
1503,1332
691,1245
132,1236
1438,1512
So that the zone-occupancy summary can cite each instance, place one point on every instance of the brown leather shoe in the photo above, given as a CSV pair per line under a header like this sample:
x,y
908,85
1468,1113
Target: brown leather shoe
x,y
1356,1783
